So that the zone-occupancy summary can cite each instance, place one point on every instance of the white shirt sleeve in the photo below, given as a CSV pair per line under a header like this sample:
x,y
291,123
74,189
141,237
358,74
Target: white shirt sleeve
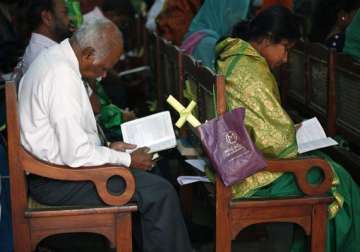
x,y
77,150
74,125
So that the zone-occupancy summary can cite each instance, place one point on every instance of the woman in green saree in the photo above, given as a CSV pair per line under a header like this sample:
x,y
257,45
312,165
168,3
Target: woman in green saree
x,y
246,61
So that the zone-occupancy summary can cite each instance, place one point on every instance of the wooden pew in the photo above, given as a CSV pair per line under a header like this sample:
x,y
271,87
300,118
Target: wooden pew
x,y
347,75
308,87
320,82
33,224
310,211
152,59
171,71
232,216
293,81
346,113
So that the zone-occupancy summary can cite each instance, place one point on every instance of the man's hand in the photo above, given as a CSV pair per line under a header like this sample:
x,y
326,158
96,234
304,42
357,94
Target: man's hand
x,y
128,115
141,159
121,146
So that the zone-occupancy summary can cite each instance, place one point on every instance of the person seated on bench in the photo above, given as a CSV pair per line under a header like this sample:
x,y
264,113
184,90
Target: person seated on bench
x,y
174,20
58,125
247,59
48,23
214,20
330,20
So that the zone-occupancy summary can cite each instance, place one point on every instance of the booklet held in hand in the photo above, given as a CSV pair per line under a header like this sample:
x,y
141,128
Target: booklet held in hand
x,y
154,131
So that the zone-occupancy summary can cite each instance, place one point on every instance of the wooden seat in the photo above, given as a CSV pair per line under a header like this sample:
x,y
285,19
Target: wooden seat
x,y
30,225
232,216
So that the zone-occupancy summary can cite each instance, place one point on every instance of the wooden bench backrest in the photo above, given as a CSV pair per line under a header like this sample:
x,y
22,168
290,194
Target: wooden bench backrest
x,y
139,28
321,65
204,84
295,84
348,98
151,50
310,83
18,187
170,81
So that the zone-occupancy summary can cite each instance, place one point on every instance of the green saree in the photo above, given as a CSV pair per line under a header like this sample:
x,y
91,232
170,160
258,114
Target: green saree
x,y
110,116
250,84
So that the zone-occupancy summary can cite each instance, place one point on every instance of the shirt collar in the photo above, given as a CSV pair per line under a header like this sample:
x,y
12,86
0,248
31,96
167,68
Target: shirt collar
x,y
41,39
70,55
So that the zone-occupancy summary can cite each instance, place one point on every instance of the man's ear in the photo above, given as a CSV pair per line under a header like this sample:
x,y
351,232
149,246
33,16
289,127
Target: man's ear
x,y
88,55
47,18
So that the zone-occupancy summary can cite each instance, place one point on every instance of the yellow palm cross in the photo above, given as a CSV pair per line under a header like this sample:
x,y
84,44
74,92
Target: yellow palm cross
x,y
185,113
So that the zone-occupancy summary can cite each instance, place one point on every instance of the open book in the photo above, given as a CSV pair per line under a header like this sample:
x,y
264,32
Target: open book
x,y
311,136
184,180
136,70
154,131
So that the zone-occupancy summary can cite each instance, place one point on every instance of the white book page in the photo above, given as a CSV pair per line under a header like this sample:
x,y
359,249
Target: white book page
x,y
184,180
154,131
134,70
311,136
197,163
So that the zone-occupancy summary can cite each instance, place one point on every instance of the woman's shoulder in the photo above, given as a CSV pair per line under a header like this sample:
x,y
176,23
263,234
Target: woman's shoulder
x,y
238,57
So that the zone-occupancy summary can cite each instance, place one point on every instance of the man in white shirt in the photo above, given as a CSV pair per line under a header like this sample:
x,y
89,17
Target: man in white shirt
x,y
49,23
57,125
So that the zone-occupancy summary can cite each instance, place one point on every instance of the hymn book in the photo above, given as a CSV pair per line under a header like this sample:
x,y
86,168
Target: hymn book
x,y
311,136
154,131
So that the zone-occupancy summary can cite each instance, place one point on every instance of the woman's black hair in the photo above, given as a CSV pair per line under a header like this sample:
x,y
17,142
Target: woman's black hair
x,y
276,23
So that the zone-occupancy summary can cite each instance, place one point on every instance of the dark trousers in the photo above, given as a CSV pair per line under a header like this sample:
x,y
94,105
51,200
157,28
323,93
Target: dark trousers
x,y
159,219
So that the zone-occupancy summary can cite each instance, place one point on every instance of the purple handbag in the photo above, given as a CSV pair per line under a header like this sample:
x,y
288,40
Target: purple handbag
x,y
230,148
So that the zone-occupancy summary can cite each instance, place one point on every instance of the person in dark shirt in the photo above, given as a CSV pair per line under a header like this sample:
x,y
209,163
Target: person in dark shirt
x,y
330,20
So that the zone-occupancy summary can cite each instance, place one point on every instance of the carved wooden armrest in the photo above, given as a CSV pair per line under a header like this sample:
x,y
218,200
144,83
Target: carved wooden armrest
x,y
99,175
300,168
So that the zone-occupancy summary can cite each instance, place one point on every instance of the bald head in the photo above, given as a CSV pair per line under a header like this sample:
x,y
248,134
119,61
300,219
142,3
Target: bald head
x,y
97,44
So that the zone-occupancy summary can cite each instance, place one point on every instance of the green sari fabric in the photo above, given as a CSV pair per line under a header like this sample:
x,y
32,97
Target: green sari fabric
x,y
74,12
250,84
110,117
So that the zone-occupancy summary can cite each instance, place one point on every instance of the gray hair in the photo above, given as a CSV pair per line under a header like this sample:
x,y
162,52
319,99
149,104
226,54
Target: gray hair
x,y
100,34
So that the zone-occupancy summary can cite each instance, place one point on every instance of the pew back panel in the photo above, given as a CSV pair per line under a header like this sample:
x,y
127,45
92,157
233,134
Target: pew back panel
x,y
171,70
348,98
